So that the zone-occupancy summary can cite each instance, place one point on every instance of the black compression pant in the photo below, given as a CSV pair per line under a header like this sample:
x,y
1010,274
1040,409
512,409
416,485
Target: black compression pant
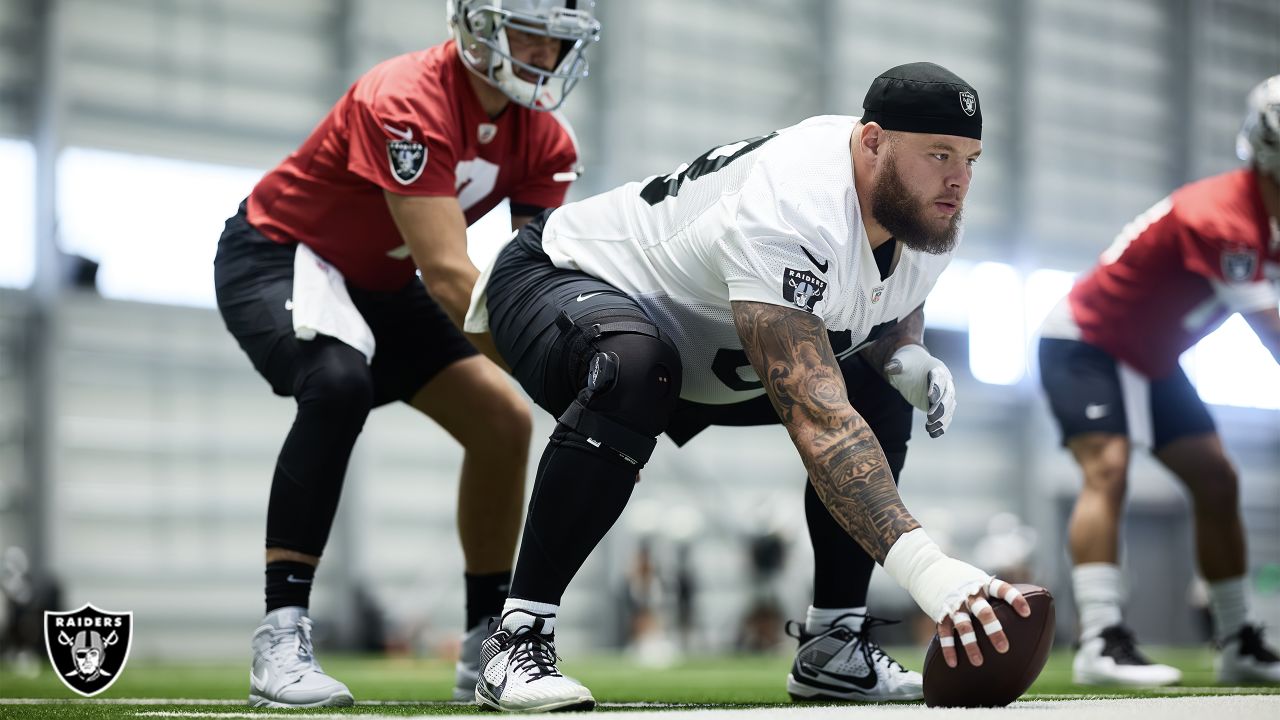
x,y
841,568
334,389
582,487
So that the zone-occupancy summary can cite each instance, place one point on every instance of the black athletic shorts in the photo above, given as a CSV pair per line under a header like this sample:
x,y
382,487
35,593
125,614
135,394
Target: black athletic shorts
x,y
526,294
1090,392
254,280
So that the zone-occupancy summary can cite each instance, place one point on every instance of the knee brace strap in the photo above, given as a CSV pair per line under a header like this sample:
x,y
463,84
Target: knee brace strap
x,y
622,326
594,331
634,447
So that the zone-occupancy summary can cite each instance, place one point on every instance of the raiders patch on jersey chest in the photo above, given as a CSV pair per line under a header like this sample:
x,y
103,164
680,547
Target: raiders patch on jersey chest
x,y
802,288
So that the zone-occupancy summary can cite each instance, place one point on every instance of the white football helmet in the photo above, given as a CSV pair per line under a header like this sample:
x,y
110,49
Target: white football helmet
x,y
1259,139
479,30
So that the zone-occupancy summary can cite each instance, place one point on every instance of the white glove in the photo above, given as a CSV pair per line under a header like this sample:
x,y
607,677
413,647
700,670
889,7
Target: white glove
x,y
926,383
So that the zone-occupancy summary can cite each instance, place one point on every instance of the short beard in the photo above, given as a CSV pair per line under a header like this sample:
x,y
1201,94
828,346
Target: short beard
x,y
901,212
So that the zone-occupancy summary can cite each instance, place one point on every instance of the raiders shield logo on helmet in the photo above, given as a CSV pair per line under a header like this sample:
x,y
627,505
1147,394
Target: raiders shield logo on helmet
x,y
968,103
802,288
1238,266
408,158
88,647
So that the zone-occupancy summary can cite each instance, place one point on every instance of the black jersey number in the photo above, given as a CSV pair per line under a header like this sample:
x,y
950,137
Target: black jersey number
x,y
665,186
728,363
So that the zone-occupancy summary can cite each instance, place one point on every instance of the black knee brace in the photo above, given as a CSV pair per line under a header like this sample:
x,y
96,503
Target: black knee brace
x,y
632,384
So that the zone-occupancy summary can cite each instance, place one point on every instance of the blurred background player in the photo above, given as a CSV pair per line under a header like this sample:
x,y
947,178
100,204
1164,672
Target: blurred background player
x,y
708,296
1109,363
316,279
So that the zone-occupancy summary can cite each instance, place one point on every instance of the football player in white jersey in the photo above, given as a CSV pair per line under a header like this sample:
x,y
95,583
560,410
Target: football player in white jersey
x,y
775,279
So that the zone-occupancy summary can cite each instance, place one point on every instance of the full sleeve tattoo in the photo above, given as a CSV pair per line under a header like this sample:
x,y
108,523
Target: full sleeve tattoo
x,y
790,352
909,330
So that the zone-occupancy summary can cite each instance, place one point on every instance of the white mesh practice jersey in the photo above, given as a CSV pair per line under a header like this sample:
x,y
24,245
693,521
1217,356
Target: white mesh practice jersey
x,y
773,219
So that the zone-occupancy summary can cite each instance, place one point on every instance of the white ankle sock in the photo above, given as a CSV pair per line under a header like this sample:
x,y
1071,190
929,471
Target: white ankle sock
x,y
817,620
1099,590
511,622
1230,605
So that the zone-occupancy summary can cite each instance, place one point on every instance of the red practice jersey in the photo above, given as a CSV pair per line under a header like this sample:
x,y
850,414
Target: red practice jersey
x,y
1178,271
411,126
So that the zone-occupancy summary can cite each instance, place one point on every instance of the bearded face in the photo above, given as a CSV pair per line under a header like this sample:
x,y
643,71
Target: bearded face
x,y
908,216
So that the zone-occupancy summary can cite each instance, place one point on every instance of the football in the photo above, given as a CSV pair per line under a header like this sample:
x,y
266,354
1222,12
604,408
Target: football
x,y
1002,678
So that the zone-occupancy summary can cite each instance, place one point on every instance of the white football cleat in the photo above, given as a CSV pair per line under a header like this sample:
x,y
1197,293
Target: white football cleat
x,y
285,673
1245,658
1112,658
520,675
843,664
468,667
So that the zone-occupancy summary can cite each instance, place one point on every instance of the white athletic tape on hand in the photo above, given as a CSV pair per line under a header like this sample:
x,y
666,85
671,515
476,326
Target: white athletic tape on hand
x,y
979,606
959,618
1003,590
969,638
992,627
939,584
947,640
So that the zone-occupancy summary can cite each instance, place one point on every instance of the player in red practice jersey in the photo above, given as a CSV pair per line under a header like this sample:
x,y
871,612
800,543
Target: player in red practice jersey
x,y
316,279
1109,363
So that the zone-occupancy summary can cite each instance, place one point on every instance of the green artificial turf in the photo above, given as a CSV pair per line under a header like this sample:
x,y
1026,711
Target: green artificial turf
x,y
418,687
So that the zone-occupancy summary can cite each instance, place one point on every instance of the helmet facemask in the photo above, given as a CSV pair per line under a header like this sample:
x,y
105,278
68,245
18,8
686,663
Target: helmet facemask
x,y
480,30
1259,139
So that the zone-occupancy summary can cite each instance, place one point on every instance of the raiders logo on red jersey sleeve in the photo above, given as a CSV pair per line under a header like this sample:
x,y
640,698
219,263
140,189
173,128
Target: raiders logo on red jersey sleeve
x,y
407,157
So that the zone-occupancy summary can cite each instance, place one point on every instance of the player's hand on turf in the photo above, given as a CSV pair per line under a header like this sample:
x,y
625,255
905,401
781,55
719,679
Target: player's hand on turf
x,y
961,622
926,383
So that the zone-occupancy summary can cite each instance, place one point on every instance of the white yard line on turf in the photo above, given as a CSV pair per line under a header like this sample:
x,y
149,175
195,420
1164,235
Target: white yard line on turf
x,y
1237,707
1171,691
117,701
1213,690
237,701
213,701
259,715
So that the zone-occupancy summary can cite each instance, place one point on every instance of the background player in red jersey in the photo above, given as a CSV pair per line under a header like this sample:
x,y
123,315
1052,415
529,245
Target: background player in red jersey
x,y
316,279
1109,363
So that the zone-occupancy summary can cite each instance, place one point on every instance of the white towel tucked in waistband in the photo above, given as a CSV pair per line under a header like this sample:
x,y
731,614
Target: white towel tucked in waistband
x,y
477,319
321,305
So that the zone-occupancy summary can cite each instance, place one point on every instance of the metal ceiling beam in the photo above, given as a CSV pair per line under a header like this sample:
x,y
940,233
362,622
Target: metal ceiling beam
x,y
39,330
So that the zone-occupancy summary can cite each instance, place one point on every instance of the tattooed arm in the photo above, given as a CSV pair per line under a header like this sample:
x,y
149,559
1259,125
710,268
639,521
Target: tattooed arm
x,y
790,352
908,331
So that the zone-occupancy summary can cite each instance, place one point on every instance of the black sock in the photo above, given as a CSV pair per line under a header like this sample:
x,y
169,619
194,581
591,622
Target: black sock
x,y
486,594
289,584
